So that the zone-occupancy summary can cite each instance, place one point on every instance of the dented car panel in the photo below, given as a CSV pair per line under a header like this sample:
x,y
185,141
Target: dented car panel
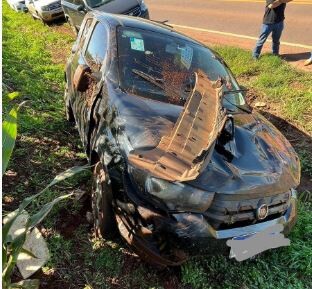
x,y
129,113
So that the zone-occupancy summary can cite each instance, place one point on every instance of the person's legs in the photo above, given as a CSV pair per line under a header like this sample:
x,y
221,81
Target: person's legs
x,y
265,32
276,36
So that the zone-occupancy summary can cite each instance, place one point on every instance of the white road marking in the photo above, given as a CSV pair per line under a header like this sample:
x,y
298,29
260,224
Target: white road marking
x,y
239,35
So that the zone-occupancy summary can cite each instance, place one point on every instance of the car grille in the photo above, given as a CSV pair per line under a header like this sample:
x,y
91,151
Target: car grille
x,y
227,212
55,5
136,11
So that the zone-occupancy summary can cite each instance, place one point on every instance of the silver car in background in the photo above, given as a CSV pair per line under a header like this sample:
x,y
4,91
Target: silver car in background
x,y
18,5
75,10
45,10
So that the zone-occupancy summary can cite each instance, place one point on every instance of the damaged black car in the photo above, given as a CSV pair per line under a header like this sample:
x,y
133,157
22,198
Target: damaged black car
x,y
179,158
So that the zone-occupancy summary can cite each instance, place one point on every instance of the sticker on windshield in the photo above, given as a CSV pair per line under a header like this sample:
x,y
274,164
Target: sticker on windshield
x,y
137,44
187,56
128,34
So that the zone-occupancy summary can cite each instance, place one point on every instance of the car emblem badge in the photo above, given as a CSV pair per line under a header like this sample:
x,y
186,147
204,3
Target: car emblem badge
x,y
262,212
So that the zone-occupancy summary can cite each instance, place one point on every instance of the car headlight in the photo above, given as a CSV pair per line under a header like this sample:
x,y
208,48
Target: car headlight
x,y
143,5
179,196
45,8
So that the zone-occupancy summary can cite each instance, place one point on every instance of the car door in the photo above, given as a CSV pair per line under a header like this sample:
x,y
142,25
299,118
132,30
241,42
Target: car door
x,y
76,15
90,64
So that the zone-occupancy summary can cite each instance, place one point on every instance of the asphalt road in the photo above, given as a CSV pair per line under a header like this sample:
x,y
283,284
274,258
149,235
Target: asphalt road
x,y
241,17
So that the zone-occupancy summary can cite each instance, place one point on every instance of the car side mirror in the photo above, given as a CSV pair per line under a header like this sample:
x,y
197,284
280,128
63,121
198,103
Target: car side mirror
x,y
82,76
81,8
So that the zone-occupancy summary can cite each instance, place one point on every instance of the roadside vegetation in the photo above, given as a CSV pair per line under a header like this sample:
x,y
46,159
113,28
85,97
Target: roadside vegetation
x,y
34,57
284,89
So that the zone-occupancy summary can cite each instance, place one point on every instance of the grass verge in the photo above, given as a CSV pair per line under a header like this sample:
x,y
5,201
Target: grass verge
x,y
33,61
286,91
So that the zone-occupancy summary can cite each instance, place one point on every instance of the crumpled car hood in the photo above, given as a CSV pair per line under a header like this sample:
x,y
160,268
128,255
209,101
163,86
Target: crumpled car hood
x,y
258,160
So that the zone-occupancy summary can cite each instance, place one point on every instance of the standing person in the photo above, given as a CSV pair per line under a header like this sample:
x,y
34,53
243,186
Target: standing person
x,y
273,22
308,61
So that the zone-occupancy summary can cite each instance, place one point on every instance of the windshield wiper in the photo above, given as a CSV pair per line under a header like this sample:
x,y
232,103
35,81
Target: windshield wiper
x,y
154,80
237,106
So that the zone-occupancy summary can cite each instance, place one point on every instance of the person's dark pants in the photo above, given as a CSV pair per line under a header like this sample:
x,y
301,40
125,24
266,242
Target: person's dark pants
x,y
276,30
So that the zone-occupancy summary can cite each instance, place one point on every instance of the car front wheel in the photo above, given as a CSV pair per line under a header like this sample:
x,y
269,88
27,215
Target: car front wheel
x,y
103,215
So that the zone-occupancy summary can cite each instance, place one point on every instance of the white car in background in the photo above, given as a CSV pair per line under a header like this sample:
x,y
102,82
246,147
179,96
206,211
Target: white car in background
x,y
45,10
18,5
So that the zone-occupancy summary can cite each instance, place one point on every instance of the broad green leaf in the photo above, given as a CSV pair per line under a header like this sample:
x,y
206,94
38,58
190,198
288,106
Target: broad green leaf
x,y
61,177
18,242
16,247
7,225
9,132
35,219
4,255
67,174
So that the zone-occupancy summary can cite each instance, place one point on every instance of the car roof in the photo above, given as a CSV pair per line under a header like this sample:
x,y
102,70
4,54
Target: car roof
x,y
140,23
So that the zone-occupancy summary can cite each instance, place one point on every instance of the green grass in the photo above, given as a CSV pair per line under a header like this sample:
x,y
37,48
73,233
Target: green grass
x,y
33,63
276,82
289,267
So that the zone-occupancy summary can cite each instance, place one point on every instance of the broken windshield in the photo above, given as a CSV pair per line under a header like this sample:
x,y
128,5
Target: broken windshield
x,y
161,67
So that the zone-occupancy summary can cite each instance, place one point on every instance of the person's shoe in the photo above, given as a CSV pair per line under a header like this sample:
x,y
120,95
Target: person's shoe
x,y
255,57
308,62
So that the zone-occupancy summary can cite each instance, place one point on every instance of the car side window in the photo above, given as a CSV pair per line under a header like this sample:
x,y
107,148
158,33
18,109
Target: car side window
x,y
97,47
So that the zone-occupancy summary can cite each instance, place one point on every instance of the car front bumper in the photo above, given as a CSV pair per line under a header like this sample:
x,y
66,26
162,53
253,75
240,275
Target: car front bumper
x,y
185,231
192,226
192,230
21,8
52,14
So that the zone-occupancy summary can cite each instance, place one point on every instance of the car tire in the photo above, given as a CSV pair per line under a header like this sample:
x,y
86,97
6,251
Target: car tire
x,y
101,200
72,26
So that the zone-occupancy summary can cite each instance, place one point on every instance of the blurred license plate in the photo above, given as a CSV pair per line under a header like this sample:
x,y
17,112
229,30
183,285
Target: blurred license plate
x,y
243,237
247,246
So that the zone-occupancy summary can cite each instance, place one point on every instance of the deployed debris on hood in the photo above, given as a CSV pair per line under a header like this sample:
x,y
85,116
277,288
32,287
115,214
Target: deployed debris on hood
x,y
181,155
